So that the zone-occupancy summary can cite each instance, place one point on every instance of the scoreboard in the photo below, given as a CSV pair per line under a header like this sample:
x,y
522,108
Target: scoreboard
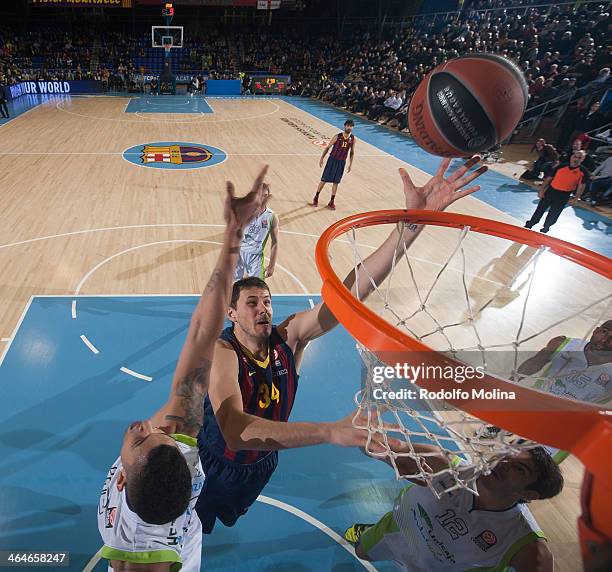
x,y
269,84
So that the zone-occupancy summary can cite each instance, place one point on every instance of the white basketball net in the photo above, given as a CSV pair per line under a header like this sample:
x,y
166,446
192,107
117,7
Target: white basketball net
x,y
457,434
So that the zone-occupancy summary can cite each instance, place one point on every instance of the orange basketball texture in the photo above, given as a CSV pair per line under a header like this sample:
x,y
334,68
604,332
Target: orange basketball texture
x,y
467,105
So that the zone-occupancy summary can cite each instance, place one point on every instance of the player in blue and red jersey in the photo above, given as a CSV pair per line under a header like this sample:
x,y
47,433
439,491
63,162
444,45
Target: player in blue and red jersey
x,y
254,375
341,146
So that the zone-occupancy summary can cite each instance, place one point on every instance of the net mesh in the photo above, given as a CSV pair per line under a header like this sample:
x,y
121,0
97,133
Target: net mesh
x,y
486,326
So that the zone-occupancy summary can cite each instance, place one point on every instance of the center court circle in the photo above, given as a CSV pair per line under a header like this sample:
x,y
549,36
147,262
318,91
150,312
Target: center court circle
x,y
176,155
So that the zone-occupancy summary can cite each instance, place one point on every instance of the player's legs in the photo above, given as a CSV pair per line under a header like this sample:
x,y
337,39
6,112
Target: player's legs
x,y
229,490
315,201
559,202
331,203
255,264
240,267
334,169
330,175
542,207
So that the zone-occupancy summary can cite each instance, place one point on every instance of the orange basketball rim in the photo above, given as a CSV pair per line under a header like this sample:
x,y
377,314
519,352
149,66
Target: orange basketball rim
x,y
583,429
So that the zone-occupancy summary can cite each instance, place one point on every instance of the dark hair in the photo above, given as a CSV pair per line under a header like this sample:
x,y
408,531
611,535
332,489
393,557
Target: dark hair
x,y
549,480
160,491
550,153
245,283
349,122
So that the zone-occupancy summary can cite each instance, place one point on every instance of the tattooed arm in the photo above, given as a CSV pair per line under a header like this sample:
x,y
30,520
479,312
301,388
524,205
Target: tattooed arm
x,y
182,413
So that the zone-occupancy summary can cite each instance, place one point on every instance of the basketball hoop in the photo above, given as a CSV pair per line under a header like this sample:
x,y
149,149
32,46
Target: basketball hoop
x,y
167,47
388,336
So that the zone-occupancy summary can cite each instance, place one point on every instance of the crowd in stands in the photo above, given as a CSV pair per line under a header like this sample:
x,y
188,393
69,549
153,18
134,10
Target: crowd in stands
x,y
45,54
563,50
564,53
559,48
596,160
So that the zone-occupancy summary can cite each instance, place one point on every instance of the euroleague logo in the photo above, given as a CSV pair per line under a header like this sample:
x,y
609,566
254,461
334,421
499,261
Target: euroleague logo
x,y
485,540
174,155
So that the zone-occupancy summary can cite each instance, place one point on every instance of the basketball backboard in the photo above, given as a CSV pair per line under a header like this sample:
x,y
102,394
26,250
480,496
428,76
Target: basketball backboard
x,y
164,35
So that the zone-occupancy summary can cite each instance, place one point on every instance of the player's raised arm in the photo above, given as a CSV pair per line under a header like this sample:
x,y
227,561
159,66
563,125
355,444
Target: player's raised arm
x,y
437,194
534,364
182,413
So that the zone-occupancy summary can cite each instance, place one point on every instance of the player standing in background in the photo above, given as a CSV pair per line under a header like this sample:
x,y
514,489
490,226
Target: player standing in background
x,y
341,145
146,509
251,260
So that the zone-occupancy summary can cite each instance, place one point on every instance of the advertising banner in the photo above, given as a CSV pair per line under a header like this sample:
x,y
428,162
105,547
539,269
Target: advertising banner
x,y
42,87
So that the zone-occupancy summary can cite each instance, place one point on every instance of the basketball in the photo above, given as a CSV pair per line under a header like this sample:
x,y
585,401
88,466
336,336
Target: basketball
x,y
467,105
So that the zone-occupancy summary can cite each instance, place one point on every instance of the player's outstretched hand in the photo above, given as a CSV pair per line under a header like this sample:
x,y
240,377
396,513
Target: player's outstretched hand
x,y
439,192
269,271
352,431
238,211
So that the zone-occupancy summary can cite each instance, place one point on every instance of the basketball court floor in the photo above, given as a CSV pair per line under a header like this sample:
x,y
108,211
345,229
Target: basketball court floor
x,y
107,239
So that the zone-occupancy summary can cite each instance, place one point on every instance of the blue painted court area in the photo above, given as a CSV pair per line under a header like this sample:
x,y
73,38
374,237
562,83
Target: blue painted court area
x,y
64,411
168,104
576,225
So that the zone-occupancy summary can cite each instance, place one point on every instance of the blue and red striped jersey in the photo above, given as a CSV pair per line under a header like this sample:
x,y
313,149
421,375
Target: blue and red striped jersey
x,y
342,147
266,392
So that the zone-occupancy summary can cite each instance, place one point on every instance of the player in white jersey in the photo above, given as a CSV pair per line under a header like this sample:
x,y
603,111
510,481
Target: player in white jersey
x,y
129,539
575,368
572,368
145,514
251,261
461,531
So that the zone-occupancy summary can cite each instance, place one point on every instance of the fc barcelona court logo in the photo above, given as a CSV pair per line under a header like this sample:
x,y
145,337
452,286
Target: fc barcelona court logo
x,y
174,155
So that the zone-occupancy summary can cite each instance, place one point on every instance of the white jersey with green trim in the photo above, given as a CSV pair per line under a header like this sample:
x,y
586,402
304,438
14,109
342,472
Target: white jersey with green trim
x,y
257,232
570,375
128,538
450,535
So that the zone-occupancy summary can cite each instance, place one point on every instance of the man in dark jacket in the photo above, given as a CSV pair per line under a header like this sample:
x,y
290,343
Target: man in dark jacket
x,y
3,107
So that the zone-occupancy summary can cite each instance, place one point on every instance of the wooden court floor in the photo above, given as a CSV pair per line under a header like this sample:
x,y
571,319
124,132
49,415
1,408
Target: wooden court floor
x,y
79,218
